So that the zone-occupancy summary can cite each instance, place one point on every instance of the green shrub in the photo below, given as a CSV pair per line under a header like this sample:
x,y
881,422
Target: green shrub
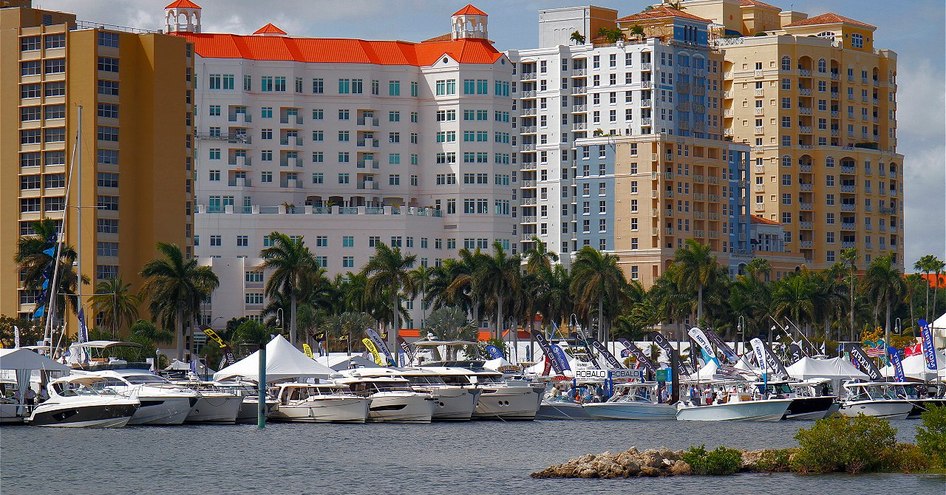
x,y
931,437
721,461
907,458
840,443
775,461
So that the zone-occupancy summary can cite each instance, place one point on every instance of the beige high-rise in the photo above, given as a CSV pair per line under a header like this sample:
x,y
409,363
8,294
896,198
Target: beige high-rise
x,y
135,90
816,101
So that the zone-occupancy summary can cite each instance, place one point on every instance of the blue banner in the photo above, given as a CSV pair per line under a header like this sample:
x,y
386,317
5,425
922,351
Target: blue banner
x,y
897,364
707,358
494,352
559,358
547,350
50,252
83,328
929,352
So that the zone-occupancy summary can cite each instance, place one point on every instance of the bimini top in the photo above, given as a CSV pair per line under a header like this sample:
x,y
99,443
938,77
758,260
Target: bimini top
x,y
265,46
105,344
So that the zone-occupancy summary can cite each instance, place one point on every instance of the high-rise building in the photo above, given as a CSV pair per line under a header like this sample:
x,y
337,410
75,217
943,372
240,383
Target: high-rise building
x,y
135,91
816,100
348,143
654,86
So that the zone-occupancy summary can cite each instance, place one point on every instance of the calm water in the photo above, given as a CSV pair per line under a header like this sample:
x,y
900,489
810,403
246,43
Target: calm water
x,y
471,458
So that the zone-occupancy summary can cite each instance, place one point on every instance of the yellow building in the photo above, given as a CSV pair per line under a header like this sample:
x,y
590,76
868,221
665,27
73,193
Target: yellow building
x,y
816,101
135,89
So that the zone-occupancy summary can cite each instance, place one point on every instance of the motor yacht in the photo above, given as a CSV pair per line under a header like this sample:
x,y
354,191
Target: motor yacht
x,y
248,392
319,403
633,400
732,402
874,399
452,402
806,403
214,405
162,402
392,398
81,402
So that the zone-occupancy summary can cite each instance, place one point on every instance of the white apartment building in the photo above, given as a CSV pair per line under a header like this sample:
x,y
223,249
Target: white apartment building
x,y
568,89
347,142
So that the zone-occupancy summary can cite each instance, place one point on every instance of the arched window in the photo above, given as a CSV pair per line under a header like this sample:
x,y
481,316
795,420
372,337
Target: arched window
x,y
829,162
822,66
786,63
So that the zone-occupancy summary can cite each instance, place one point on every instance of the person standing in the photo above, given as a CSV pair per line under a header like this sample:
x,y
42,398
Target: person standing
x,y
29,399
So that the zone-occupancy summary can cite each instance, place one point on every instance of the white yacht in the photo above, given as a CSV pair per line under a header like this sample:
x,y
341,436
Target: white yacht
x,y
506,398
83,401
452,402
874,399
738,403
812,399
634,400
214,405
319,403
392,398
162,402
247,391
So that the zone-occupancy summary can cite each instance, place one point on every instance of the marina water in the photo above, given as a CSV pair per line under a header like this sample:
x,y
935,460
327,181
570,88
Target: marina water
x,y
480,457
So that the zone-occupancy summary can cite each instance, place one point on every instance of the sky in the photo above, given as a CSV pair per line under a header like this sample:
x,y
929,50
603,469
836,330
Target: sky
x,y
914,29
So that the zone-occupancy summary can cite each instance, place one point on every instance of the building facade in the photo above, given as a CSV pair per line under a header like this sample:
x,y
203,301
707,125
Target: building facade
x,y
135,158
348,143
816,101
577,86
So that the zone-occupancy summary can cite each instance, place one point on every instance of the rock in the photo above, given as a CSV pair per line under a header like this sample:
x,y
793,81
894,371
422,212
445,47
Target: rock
x,y
649,472
680,468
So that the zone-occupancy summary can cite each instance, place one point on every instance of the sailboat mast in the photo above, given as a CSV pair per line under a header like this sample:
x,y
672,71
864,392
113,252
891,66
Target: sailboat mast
x,y
79,217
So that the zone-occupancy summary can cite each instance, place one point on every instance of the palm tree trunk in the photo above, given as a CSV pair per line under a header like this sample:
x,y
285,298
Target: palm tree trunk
x,y
699,307
179,327
499,317
292,320
927,279
851,290
935,287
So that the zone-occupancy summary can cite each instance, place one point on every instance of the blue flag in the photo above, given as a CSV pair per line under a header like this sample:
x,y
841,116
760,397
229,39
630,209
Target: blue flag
x,y
39,312
50,251
929,352
494,352
897,364
83,328
558,355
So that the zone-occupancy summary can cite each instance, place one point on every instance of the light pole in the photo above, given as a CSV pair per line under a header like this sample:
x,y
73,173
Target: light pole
x,y
280,320
742,332
899,328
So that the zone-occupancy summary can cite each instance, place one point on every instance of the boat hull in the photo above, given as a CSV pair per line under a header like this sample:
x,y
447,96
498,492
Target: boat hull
x,y
631,410
220,409
453,403
71,416
508,403
323,410
249,409
766,411
810,408
396,408
163,410
561,410
886,409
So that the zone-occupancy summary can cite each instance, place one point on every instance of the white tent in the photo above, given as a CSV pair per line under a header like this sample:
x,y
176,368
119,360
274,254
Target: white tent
x,y
342,361
705,373
836,368
25,359
283,362
915,367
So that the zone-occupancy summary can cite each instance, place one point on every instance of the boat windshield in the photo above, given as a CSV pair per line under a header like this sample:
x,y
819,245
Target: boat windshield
x,y
632,394
145,379
775,388
460,380
903,391
422,380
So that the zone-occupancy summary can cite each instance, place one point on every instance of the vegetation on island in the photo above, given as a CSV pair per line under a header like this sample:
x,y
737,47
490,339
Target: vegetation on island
x,y
855,445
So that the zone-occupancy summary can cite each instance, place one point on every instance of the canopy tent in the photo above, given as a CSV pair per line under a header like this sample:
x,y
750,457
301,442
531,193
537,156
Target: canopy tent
x,y
339,362
177,365
283,362
836,368
915,367
23,362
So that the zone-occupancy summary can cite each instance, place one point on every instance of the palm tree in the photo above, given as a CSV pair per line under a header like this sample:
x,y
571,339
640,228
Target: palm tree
x,y
176,287
926,264
421,277
462,286
387,273
937,266
499,277
35,258
578,38
884,285
794,295
117,304
596,277
694,266
849,258
293,266
556,303
539,258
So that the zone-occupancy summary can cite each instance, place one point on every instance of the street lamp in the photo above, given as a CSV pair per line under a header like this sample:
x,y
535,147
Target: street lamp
x,y
899,328
742,332
280,320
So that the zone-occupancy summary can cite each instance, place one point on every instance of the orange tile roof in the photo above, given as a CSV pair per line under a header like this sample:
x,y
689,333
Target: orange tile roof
x,y
470,10
830,18
765,221
340,50
442,37
269,28
756,3
660,13
931,279
182,4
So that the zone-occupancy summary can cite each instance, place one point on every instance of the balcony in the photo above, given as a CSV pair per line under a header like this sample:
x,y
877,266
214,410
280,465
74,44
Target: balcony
x,y
528,219
806,206
728,113
804,91
527,129
759,92
578,72
240,182
846,188
804,72
368,121
528,76
806,244
528,94
835,95
527,111
759,130
646,103
804,110
241,161
847,244
528,184
646,122
759,111
295,119
291,184
579,108
805,168
528,201
805,225
580,126
240,118
368,185
848,207
804,129
805,187
290,141
646,66
527,147
646,84
835,76
848,226
847,169
368,143
367,163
